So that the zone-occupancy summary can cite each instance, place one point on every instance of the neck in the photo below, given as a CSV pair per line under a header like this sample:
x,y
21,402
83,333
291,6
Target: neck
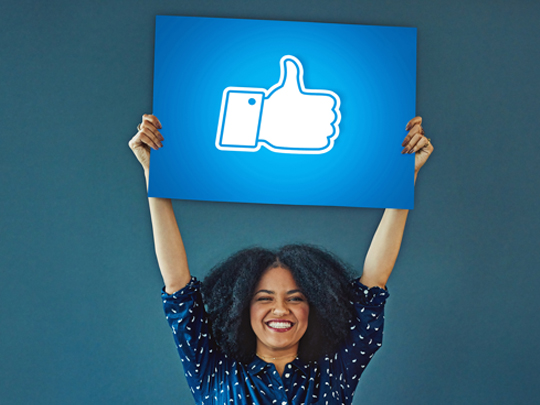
x,y
289,356
269,354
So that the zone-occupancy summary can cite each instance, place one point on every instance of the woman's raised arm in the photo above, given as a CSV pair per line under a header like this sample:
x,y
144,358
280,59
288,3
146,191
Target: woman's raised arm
x,y
386,242
168,244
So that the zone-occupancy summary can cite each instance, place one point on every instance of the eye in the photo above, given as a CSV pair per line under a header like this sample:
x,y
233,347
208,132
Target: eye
x,y
264,299
297,299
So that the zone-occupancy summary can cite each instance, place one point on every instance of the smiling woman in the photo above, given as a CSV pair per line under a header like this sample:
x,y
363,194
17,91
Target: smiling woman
x,y
279,315
283,326
298,283
275,327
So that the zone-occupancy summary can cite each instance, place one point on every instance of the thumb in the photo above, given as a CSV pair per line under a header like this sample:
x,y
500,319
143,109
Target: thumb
x,y
292,73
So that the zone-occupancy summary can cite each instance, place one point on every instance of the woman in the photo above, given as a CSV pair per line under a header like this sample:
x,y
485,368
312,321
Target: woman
x,y
282,327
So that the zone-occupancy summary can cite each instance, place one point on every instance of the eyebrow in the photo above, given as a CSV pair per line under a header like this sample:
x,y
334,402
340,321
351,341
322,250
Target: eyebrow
x,y
272,292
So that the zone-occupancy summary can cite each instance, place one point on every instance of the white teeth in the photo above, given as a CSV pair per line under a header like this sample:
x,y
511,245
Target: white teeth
x,y
280,325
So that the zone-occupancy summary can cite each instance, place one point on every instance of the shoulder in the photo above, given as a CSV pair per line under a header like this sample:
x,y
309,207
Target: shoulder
x,y
184,301
368,296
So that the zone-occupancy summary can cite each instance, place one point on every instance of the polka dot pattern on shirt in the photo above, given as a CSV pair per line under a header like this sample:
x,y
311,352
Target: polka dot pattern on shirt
x,y
214,378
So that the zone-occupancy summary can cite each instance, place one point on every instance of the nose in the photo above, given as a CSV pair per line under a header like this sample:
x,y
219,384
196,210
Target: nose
x,y
280,309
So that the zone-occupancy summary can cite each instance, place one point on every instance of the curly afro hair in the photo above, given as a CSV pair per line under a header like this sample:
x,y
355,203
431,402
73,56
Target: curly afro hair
x,y
323,278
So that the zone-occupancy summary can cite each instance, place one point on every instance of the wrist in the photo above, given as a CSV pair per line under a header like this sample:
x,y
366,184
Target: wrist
x,y
146,177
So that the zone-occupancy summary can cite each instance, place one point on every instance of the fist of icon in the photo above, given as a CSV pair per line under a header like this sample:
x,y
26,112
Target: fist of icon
x,y
286,118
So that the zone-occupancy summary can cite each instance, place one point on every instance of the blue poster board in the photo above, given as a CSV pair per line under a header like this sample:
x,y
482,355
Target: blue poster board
x,y
279,112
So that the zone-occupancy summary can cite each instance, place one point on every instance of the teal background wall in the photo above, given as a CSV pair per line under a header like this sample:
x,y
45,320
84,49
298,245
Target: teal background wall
x,y
80,315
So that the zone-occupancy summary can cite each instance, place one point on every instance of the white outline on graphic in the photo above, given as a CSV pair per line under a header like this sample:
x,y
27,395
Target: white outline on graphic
x,y
265,95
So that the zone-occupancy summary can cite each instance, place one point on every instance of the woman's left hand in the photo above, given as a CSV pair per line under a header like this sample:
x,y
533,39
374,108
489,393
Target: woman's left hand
x,y
417,143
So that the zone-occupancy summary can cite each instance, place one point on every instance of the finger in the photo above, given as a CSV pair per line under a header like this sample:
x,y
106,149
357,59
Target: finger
x,y
149,140
413,122
422,144
152,119
417,129
149,127
146,139
412,143
153,135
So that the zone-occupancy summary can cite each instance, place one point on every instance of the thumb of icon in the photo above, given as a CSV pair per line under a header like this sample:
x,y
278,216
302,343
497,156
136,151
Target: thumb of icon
x,y
290,77
296,119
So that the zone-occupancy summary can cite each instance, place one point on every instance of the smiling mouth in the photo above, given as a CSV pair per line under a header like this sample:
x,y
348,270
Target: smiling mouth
x,y
280,326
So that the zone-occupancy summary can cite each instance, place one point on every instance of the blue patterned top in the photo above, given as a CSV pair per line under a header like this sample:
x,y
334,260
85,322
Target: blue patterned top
x,y
215,378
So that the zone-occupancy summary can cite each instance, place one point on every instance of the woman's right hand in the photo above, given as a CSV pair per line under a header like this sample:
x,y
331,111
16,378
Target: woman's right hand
x,y
147,137
168,243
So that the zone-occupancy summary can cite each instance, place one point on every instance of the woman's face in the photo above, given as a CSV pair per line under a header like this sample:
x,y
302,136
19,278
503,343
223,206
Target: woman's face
x,y
279,313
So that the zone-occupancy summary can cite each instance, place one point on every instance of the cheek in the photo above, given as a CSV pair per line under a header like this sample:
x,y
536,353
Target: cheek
x,y
255,315
302,314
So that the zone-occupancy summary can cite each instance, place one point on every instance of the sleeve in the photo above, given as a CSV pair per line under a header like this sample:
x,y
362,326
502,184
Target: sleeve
x,y
366,331
188,320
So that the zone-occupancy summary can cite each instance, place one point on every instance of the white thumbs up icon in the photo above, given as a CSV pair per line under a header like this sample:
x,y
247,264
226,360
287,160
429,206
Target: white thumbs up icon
x,y
286,118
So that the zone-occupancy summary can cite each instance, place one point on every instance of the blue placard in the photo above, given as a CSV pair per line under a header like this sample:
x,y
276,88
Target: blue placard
x,y
282,112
